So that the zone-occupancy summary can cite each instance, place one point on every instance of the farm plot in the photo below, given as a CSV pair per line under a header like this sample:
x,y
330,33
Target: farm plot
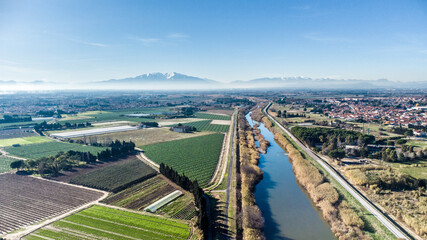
x,y
141,195
206,125
100,222
16,133
144,136
38,150
23,141
90,132
5,163
195,157
182,208
211,116
25,200
116,177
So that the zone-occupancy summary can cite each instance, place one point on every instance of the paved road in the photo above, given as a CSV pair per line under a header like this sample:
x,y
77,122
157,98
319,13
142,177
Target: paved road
x,y
393,227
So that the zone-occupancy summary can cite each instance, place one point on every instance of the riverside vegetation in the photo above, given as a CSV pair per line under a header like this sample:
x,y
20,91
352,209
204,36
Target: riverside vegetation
x,y
249,217
344,219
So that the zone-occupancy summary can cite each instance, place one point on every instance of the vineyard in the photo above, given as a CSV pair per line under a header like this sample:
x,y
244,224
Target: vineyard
x,y
196,157
141,195
116,177
206,125
211,116
5,163
25,200
99,222
38,150
23,141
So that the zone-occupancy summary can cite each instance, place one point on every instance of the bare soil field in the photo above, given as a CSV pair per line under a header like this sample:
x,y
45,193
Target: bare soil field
x,y
25,200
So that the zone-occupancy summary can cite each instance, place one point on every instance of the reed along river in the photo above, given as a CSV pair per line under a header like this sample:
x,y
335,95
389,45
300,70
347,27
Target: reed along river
x,y
285,206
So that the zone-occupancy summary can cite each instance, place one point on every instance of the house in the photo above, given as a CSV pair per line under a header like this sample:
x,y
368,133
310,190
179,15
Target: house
x,y
183,129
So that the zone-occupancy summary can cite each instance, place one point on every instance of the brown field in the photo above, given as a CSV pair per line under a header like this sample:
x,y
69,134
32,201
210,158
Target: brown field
x,y
25,200
146,136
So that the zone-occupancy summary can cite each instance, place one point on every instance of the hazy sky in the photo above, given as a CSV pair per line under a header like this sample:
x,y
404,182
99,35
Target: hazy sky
x,y
223,40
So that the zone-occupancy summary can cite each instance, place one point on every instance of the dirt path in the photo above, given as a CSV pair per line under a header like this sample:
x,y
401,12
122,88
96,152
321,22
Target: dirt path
x,y
6,154
141,156
222,165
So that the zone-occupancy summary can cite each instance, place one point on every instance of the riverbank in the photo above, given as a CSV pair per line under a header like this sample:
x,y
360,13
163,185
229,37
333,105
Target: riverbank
x,y
371,228
250,221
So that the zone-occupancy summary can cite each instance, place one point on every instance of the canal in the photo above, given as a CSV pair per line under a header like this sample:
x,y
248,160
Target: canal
x,y
286,207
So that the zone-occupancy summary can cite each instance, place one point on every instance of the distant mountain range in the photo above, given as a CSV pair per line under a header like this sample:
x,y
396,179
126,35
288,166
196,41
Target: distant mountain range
x,y
178,81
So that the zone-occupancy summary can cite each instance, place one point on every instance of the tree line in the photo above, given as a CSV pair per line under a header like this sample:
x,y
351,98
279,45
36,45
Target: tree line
x,y
193,187
44,126
15,118
64,161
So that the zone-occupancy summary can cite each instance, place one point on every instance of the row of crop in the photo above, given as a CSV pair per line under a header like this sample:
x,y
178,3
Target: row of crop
x,y
38,150
109,223
196,157
212,116
116,177
206,125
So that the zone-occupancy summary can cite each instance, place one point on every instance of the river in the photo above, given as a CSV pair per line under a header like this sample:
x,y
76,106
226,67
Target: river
x,y
286,207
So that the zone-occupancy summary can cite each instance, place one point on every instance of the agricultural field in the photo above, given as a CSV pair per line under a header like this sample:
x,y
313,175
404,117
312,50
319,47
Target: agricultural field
x,y
416,169
211,116
23,141
5,163
16,133
25,200
117,176
206,125
93,131
145,136
182,208
141,195
195,157
38,150
417,143
113,115
101,222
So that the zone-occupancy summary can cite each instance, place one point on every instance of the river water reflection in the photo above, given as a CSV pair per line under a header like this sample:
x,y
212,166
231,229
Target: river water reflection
x,y
287,211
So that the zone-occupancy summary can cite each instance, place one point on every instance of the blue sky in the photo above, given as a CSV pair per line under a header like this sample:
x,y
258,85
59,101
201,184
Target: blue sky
x,y
77,41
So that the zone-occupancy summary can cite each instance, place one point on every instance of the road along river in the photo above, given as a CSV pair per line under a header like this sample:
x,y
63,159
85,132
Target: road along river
x,y
286,207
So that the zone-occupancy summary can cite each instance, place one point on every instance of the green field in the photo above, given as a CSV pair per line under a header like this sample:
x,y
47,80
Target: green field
x,y
416,169
196,157
211,116
22,141
206,125
99,222
5,163
38,150
139,196
113,115
181,208
417,143
116,177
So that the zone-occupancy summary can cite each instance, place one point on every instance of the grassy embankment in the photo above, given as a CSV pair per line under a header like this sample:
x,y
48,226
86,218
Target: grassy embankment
x,y
250,222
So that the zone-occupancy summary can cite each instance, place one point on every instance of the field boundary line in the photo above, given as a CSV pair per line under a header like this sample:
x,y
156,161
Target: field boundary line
x,y
225,155
141,156
29,229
